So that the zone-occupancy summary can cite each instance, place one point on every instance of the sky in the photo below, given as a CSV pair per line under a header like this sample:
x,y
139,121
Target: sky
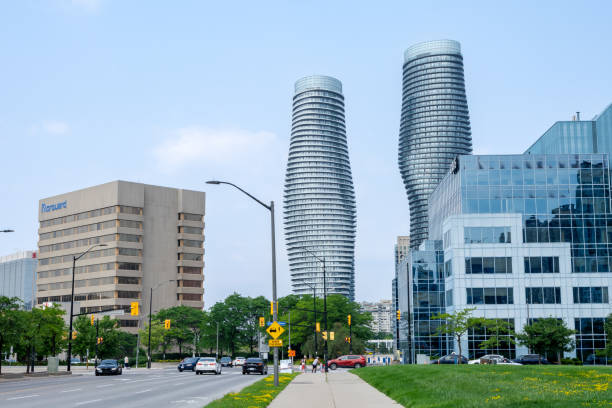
x,y
177,93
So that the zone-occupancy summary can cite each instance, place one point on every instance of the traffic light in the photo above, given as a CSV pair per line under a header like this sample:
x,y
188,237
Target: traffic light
x,y
93,318
349,320
347,339
100,340
398,314
324,335
262,322
318,327
167,324
331,335
74,334
272,307
134,308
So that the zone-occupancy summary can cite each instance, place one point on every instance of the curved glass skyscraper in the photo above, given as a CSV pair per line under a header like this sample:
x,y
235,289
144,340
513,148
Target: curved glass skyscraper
x,y
435,124
319,195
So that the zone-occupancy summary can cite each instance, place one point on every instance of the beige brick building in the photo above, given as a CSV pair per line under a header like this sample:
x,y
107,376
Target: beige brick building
x,y
154,238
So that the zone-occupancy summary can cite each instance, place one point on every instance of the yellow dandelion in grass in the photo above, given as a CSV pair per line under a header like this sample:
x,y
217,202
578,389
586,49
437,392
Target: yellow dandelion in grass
x,y
496,397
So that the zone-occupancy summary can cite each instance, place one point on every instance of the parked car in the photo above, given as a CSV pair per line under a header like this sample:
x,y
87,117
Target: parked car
x,y
487,359
507,361
238,361
208,365
109,367
594,359
188,364
530,359
254,365
75,360
226,362
450,359
352,361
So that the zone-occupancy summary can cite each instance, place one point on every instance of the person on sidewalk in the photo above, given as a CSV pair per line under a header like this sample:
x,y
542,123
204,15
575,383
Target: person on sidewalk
x,y
303,364
315,363
126,362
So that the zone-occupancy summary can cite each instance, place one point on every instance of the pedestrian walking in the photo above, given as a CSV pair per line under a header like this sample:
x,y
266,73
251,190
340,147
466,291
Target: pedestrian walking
x,y
303,364
315,363
126,362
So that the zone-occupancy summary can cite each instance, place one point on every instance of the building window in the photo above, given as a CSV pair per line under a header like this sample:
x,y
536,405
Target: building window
x,y
130,224
190,217
126,266
487,235
478,334
128,323
129,251
590,337
597,294
488,265
190,230
490,296
542,264
130,210
449,297
543,296
191,283
125,294
192,297
190,243
186,256
448,268
128,280
190,269
130,238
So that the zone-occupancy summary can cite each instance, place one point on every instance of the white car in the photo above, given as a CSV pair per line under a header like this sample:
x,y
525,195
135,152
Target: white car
x,y
488,359
208,365
239,361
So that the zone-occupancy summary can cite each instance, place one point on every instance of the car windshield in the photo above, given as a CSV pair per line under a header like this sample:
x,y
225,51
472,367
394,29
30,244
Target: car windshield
x,y
254,360
208,360
108,362
190,360
239,358
225,359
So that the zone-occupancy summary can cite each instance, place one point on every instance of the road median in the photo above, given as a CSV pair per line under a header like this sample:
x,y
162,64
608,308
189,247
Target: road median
x,y
257,395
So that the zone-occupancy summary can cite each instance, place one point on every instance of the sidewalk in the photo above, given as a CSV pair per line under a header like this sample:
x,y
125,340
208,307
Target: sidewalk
x,y
341,390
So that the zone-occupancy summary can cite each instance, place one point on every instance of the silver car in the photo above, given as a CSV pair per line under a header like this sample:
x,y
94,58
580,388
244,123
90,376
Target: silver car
x,y
208,365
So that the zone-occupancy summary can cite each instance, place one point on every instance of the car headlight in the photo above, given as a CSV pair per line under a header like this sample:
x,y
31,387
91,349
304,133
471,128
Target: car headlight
x,y
98,369
114,368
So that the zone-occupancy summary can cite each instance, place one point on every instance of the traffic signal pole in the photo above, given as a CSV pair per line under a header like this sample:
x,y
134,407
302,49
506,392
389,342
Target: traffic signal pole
x,y
97,337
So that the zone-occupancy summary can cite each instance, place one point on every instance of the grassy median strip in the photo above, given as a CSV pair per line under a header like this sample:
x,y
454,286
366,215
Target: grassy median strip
x,y
474,386
259,394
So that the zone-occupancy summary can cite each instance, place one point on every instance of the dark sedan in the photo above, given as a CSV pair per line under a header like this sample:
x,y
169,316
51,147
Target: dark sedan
x,y
450,359
188,364
531,359
254,365
109,367
226,362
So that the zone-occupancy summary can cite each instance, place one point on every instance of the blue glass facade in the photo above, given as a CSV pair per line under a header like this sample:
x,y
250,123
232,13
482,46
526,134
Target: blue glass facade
x,y
578,136
18,276
319,202
434,126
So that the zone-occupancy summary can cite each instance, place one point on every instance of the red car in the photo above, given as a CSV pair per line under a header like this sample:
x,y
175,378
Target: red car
x,y
351,361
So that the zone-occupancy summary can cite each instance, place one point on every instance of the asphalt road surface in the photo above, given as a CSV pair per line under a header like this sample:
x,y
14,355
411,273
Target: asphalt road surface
x,y
135,388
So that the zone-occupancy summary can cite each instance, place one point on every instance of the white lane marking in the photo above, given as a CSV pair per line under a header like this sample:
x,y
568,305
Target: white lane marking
x,y
25,396
140,392
87,402
104,385
179,383
76,389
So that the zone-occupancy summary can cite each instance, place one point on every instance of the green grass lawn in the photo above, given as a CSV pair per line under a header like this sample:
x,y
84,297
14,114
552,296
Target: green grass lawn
x,y
259,394
492,386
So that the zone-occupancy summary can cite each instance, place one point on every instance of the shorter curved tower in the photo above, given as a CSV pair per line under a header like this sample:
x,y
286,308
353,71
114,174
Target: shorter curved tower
x,y
319,205
435,124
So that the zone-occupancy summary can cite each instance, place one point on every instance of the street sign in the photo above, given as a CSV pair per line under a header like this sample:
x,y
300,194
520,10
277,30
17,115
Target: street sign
x,y
291,353
275,343
281,323
275,330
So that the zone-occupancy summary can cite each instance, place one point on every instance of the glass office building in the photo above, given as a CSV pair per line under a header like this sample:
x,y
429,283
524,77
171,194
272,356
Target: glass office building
x,y
18,277
577,136
435,124
319,201
532,233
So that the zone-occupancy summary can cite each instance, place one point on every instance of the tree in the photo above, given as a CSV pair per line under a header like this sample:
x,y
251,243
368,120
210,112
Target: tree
x,y
159,337
52,331
548,336
500,334
10,324
232,315
185,324
115,343
456,325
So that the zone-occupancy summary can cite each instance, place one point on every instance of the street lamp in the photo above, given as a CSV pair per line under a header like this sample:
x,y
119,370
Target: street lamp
x,y
270,208
74,259
150,313
314,305
322,260
7,230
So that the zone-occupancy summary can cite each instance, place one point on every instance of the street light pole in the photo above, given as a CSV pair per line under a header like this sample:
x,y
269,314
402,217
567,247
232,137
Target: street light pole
x,y
270,208
314,305
322,260
74,259
149,358
217,355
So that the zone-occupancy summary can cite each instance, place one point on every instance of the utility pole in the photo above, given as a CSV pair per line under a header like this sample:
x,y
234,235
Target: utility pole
x,y
290,334
97,337
217,354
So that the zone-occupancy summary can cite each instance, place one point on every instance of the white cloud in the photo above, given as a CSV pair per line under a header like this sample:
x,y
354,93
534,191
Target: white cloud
x,y
56,127
217,146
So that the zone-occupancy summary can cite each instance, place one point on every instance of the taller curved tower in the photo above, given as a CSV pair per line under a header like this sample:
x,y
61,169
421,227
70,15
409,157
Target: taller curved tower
x,y
435,124
319,196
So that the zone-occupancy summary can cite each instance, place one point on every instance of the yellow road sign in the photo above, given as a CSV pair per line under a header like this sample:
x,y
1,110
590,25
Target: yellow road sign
x,y
275,343
275,330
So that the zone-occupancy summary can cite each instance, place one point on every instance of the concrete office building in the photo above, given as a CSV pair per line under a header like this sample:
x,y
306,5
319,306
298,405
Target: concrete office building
x,y
434,126
319,202
518,237
382,315
18,276
154,239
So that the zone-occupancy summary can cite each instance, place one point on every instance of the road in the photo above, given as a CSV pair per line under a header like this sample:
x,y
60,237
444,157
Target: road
x,y
135,388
